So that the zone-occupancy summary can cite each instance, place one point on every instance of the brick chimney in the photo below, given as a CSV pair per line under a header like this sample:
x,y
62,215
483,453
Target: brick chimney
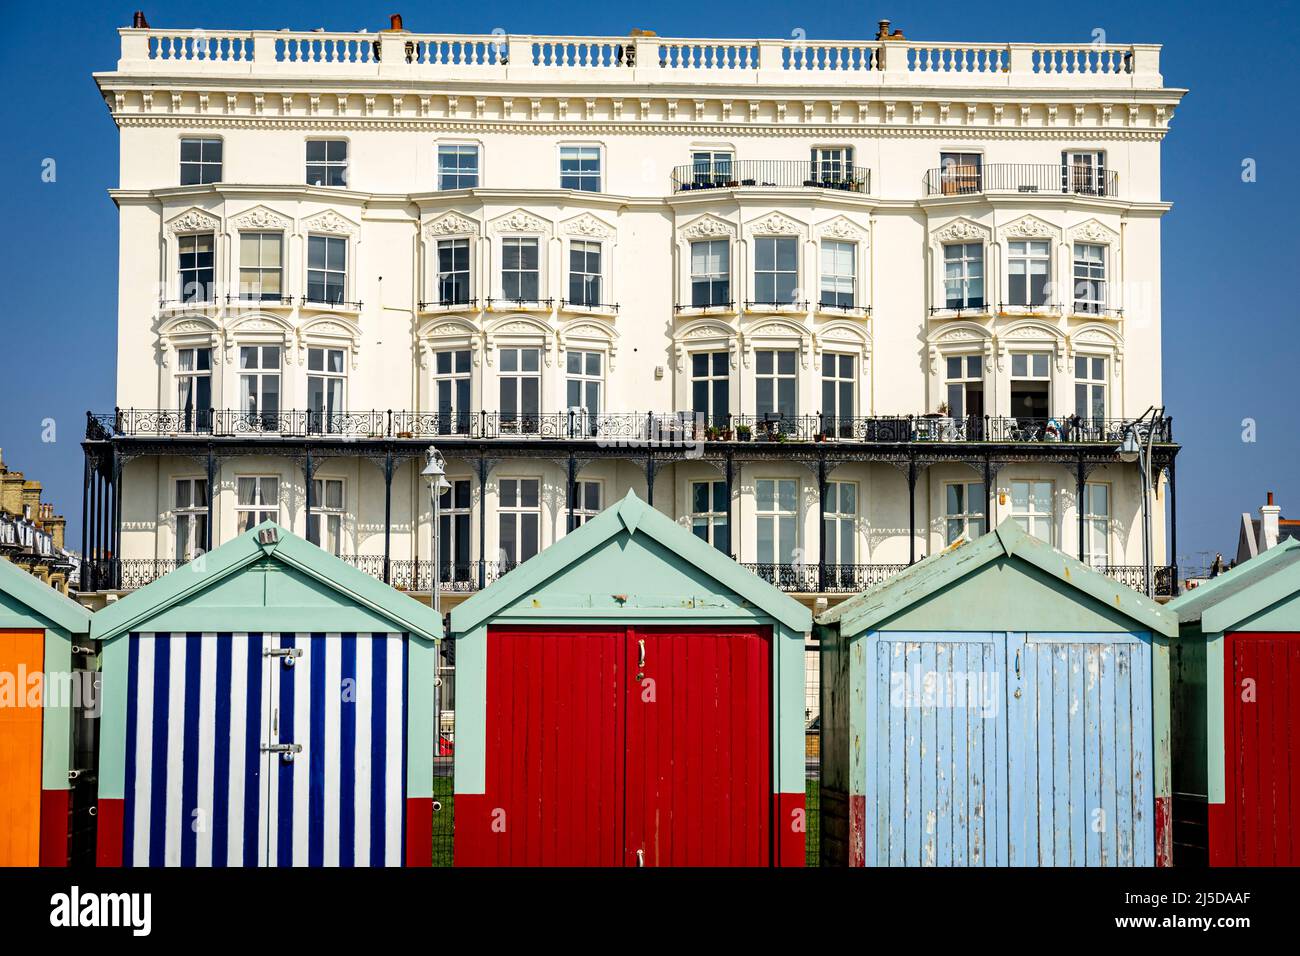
x,y
1269,515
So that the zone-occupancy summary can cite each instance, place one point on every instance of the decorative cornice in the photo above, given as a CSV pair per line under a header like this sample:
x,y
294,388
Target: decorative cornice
x,y
776,224
707,227
259,217
192,220
587,226
841,227
330,221
451,224
520,221
1029,227
961,230
1090,230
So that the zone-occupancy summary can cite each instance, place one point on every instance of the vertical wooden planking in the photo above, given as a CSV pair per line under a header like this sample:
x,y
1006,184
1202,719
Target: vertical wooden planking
x,y
1093,823
897,726
1144,777
943,753
995,679
1108,727
927,754
20,751
961,721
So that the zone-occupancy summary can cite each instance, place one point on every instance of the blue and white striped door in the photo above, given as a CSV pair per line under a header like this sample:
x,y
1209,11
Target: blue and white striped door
x,y
202,786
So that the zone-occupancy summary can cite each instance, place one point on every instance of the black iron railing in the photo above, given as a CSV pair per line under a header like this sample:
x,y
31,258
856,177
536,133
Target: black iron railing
x,y
964,180
448,304
829,578
613,427
1134,576
736,174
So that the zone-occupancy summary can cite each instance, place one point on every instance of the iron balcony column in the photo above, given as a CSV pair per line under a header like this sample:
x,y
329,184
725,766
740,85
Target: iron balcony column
x,y
388,511
85,518
212,480
572,487
911,508
1173,528
482,522
1079,488
117,520
988,494
307,473
650,479
821,527
731,508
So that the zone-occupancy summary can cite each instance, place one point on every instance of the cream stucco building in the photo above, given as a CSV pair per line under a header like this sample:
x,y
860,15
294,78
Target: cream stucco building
x,y
831,303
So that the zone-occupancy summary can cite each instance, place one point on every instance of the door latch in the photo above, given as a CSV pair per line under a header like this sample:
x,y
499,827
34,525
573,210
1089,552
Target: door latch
x,y
640,662
288,655
286,751
640,858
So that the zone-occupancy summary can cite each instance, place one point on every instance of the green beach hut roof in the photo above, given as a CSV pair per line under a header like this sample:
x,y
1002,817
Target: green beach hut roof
x,y
630,517
1244,591
944,568
249,549
45,603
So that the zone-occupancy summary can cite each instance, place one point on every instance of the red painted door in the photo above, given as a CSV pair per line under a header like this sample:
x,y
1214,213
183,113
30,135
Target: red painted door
x,y
602,742
699,748
1261,734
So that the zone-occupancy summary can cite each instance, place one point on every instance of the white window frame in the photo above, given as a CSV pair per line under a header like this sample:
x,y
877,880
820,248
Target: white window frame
x,y
261,512
261,373
453,420
210,295
327,417
840,527
711,519
585,246
829,158
517,512
776,376
776,515
439,273
581,176
1096,525
1087,178
585,380
459,146
457,567
964,278
711,166
539,244
327,164
963,381
1091,383
181,163
1029,518
243,290
345,297
773,303
1093,277
712,415
520,421
714,278
582,510
838,420
193,516
968,521
1020,250
192,377
328,518
831,245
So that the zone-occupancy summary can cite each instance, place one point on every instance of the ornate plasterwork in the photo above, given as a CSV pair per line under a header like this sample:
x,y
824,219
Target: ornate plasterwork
x,y
843,337
1030,227
522,329
332,329
591,333
587,226
187,330
1096,338
963,337
705,333
1090,230
776,330
448,333
961,230
1030,334
776,224
259,327
331,222
707,227
520,220
451,224
842,227
192,220
259,217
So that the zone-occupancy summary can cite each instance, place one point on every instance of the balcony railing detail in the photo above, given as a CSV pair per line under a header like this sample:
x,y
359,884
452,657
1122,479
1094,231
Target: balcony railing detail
x,y
611,427
464,577
623,59
1028,178
781,173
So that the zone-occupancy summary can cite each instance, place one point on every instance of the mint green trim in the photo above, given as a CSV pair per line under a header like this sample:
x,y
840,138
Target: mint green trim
x,y
629,519
1006,545
471,710
788,709
1215,708
115,662
56,718
1218,597
33,600
1160,714
422,669
318,587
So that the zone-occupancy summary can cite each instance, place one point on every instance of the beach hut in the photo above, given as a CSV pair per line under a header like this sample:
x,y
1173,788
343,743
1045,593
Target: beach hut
x,y
630,697
1237,715
266,704
39,694
998,703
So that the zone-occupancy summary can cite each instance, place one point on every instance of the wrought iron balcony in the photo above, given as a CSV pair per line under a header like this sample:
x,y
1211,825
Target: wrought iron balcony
x,y
1060,178
825,579
611,427
780,173
1134,576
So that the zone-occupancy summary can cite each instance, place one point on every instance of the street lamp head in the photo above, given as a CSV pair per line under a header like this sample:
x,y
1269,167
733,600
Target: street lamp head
x,y
1129,451
434,472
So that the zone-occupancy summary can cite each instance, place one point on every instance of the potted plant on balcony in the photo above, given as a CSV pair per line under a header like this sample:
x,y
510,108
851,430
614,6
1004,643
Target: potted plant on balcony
x,y
743,432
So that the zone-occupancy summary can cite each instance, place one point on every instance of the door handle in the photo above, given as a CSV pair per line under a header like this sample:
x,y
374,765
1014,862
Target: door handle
x,y
640,858
1018,650
641,646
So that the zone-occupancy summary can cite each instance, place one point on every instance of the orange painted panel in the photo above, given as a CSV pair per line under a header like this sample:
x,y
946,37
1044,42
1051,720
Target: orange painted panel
x,y
22,654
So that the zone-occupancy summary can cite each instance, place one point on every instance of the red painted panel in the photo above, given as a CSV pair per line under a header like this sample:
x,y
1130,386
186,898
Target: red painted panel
x,y
1218,823
554,751
699,748
108,817
791,829
1262,763
1164,832
54,827
419,831
858,830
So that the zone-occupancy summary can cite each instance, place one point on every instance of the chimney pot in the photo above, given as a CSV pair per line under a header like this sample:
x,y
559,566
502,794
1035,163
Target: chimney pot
x,y
138,21
1270,497
395,21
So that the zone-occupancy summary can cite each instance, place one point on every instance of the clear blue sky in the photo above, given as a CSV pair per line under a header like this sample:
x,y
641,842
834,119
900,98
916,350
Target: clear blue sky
x,y
1230,248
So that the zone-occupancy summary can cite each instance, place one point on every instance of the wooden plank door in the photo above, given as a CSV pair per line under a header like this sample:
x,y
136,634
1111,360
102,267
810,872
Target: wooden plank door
x,y
699,747
1080,762
336,790
935,706
1262,763
554,772
22,654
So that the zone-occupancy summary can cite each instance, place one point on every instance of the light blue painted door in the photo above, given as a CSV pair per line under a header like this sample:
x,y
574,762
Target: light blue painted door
x,y
936,784
1080,750
989,749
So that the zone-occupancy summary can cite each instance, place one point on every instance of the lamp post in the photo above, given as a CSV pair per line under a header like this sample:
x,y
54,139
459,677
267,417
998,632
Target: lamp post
x,y
435,473
1137,448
